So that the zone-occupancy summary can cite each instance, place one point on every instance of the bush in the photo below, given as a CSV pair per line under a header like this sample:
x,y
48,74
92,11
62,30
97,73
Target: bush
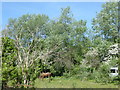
x,y
11,83
101,75
80,72
67,75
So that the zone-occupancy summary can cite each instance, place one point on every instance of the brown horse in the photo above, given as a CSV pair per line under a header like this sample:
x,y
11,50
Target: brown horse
x,y
43,75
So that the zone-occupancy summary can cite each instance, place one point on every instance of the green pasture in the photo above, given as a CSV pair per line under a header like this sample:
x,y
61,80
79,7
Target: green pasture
x,y
59,82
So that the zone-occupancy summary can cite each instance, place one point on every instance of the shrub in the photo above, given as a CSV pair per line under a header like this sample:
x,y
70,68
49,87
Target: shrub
x,y
101,75
67,75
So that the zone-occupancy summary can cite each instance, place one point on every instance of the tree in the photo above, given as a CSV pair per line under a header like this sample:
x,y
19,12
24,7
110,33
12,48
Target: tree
x,y
107,26
92,58
47,44
106,22
9,61
67,35
27,33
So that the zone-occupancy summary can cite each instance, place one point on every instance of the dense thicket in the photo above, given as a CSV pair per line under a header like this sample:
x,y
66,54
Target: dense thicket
x,y
34,43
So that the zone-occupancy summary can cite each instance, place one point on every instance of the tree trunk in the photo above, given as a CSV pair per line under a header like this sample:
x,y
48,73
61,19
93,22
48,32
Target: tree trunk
x,y
25,79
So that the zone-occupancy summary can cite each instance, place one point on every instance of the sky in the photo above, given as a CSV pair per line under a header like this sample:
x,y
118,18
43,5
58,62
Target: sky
x,y
81,10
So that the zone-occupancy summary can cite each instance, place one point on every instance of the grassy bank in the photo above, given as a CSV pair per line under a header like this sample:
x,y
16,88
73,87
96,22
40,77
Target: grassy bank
x,y
59,82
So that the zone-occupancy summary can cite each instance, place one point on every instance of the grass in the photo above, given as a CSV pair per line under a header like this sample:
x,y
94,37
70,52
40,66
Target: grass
x,y
60,82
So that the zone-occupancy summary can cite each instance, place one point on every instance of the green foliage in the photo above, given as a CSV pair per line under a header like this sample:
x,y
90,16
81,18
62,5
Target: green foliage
x,y
106,22
67,36
35,70
102,47
9,58
113,62
27,32
101,75
81,72
67,75
62,46
11,83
